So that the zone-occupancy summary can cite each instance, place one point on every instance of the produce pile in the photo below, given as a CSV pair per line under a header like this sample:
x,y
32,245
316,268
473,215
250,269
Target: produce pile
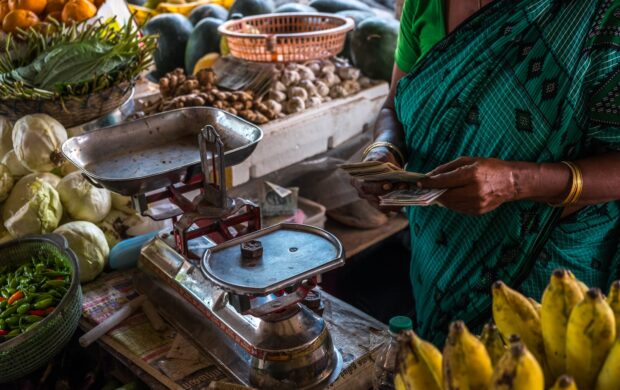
x,y
68,61
23,14
184,41
42,194
29,292
294,88
569,341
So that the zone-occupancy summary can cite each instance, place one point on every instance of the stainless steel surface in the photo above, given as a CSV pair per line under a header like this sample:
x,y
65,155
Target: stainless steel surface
x,y
291,349
291,254
154,152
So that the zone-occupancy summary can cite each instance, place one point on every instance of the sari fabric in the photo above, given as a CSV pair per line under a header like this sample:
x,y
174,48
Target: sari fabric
x,y
522,80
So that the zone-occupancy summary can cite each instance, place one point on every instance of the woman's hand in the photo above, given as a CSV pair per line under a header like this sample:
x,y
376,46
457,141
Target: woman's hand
x,y
371,191
475,185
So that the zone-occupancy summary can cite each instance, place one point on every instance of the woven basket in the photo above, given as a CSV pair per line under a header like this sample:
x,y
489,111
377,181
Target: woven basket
x,y
286,37
72,111
33,349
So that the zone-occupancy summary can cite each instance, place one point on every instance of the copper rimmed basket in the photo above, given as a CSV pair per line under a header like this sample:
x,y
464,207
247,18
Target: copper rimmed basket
x,y
286,37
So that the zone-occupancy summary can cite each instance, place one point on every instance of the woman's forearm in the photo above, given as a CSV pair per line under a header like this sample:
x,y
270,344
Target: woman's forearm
x,y
551,182
389,129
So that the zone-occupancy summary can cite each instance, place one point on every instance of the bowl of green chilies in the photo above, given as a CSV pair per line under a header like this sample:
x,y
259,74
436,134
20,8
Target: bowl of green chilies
x,y
40,302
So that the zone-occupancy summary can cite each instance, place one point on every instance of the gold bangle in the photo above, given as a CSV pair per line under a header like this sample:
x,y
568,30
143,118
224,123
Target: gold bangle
x,y
576,186
399,155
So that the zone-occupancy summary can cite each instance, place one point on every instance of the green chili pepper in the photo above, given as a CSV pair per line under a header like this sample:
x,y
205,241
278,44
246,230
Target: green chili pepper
x,y
44,303
32,319
23,308
13,333
54,283
13,283
39,267
2,325
12,321
31,326
9,311
11,291
3,304
5,293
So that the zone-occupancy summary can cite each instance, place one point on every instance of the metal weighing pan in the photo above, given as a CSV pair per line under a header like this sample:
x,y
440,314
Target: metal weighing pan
x,y
291,253
157,151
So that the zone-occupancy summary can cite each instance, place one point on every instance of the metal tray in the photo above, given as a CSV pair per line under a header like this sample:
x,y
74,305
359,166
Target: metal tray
x,y
291,253
157,151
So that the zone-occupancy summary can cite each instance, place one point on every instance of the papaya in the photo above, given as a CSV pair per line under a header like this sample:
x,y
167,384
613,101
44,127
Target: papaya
x,y
333,6
358,17
294,7
208,10
372,47
174,31
251,7
204,39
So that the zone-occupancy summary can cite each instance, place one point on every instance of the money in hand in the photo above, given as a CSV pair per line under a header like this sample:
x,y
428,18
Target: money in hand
x,y
381,171
411,197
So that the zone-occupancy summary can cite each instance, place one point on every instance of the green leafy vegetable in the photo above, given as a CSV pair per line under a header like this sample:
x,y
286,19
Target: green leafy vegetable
x,y
72,60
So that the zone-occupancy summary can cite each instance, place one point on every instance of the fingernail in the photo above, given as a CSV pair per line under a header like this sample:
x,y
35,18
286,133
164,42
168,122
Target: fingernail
x,y
386,187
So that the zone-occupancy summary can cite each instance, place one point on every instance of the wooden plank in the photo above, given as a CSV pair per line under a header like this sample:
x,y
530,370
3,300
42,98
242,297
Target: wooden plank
x,y
357,240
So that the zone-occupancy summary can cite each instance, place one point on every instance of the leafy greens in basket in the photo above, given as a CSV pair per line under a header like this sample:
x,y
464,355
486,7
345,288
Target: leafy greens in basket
x,y
73,60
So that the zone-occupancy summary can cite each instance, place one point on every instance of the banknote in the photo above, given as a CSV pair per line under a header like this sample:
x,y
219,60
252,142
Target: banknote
x,y
411,197
380,171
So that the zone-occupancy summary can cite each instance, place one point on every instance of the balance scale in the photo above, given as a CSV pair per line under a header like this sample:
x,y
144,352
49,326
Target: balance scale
x,y
243,294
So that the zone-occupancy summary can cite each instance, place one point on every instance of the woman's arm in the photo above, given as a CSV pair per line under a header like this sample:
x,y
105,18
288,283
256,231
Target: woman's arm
x,y
387,128
479,185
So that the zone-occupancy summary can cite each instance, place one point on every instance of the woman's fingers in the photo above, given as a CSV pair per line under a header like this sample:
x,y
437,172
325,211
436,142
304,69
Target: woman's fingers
x,y
458,177
452,165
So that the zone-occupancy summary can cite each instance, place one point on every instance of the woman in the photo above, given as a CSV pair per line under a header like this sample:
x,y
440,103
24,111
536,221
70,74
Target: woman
x,y
516,114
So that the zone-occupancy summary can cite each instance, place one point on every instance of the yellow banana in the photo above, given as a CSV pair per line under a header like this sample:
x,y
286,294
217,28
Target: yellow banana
x,y
537,306
584,287
609,377
559,298
614,302
564,382
514,314
399,383
493,342
466,363
420,366
518,370
590,334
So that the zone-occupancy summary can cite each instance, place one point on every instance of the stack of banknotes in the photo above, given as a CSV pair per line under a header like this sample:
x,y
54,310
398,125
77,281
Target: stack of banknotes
x,y
377,171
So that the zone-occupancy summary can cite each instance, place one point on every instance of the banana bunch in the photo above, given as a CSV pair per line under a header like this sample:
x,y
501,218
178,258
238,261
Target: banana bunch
x,y
568,341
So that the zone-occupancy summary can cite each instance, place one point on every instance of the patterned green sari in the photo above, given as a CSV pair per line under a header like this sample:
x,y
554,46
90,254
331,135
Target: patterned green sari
x,y
528,80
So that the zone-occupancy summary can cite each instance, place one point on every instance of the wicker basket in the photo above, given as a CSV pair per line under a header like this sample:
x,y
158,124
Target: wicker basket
x,y
33,349
71,111
286,37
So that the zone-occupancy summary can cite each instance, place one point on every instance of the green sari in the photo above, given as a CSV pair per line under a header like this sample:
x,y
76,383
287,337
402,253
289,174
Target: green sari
x,y
524,80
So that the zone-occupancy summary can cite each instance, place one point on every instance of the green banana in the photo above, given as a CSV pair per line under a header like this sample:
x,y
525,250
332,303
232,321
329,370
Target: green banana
x,y
518,370
493,342
564,382
514,314
420,366
609,377
560,297
590,334
466,363
614,302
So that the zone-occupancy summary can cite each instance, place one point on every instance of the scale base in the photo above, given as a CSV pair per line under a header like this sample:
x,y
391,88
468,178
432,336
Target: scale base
x,y
294,352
